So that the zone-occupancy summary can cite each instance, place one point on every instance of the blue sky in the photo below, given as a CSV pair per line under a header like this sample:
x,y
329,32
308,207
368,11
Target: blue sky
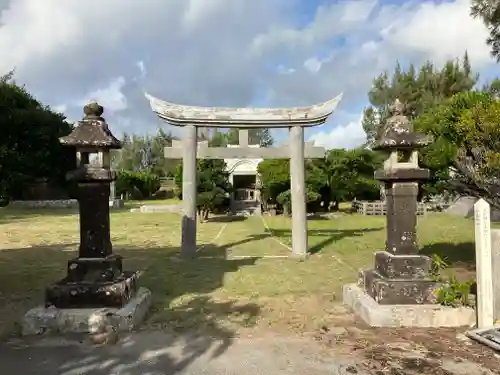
x,y
228,53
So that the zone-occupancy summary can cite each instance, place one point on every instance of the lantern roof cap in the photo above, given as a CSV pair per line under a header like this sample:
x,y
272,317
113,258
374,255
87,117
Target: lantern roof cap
x,y
92,131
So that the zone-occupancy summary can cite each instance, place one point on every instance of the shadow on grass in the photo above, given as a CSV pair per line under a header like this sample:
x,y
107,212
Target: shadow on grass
x,y
182,302
463,253
8,215
226,219
318,216
331,235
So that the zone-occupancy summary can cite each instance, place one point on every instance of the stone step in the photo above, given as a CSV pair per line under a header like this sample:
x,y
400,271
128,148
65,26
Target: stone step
x,y
396,291
402,266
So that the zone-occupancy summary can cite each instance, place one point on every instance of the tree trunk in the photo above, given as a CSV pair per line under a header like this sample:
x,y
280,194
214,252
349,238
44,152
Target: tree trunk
x,y
203,215
336,205
382,192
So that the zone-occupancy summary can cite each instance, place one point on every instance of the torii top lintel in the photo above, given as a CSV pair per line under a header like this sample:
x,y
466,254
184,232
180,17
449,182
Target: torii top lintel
x,y
181,115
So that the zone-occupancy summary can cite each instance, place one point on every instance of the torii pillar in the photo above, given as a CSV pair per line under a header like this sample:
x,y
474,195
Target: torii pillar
x,y
295,119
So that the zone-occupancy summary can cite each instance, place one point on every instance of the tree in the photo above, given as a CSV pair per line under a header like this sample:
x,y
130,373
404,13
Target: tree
x,y
274,179
212,183
259,136
140,153
492,88
29,142
219,139
137,185
350,174
343,175
489,12
417,90
466,129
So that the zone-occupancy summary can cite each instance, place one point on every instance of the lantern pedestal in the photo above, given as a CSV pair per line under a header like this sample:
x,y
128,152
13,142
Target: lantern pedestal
x,y
96,294
399,291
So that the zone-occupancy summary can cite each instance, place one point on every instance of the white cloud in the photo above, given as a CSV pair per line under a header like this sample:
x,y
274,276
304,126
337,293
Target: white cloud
x,y
313,64
441,31
346,136
142,69
111,96
60,108
223,52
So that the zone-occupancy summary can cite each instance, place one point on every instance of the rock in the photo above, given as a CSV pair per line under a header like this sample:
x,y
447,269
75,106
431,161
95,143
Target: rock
x,y
109,337
333,331
464,339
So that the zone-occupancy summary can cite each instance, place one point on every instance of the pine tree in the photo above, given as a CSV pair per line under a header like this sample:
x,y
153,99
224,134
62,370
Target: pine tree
x,y
489,12
417,90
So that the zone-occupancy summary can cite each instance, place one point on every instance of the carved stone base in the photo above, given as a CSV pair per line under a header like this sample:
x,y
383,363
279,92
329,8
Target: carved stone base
x,y
95,270
397,291
402,266
93,282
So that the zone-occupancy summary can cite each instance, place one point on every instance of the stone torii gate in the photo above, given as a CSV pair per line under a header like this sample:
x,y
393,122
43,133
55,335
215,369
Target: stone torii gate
x,y
295,119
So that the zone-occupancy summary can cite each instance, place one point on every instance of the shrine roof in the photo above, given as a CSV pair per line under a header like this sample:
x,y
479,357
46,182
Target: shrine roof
x,y
182,115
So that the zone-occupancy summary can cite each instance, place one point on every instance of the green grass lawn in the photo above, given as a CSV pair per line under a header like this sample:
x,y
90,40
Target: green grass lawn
x,y
241,278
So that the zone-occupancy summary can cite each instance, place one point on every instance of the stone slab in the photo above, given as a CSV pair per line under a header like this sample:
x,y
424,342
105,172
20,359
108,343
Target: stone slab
x,y
377,315
489,336
116,203
173,208
40,320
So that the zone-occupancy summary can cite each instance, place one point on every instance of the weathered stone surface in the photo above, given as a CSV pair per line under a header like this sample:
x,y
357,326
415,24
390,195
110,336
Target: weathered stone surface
x,y
377,315
402,267
203,151
116,203
117,292
42,319
89,173
395,291
181,115
96,278
400,275
397,132
403,174
133,313
244,118
80,269
92,131
401,217
95,238
60,203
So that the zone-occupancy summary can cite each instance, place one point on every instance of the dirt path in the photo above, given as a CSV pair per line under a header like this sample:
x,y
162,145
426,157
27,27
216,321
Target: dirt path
x,y
160,353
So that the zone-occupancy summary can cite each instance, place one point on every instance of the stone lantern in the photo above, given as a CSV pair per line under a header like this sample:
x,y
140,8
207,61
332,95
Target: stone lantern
x,y
96,277
400,275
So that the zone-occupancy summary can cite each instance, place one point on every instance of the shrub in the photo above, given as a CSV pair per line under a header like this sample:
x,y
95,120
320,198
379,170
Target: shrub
x,y
137,185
